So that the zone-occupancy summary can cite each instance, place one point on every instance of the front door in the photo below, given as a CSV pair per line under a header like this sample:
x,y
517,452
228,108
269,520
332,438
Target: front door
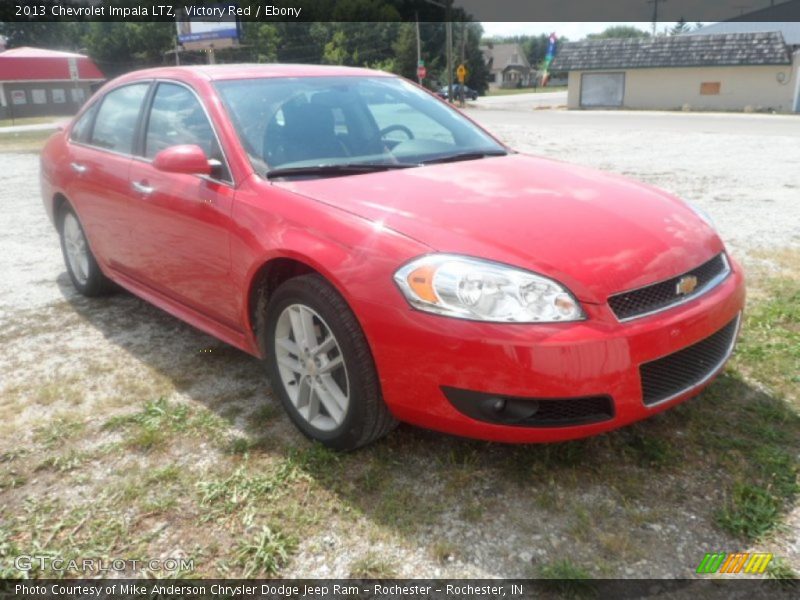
x,y
181,222
100,149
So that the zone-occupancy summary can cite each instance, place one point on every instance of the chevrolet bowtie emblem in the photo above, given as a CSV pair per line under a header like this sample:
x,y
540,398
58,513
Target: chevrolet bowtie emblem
x,y
686,285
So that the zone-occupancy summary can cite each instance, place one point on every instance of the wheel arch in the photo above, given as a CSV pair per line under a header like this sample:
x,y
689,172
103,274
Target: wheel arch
x,y
58,203
267,277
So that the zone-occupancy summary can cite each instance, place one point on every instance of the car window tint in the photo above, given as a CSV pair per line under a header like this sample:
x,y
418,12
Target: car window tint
x,y
177,117
80,131
115,125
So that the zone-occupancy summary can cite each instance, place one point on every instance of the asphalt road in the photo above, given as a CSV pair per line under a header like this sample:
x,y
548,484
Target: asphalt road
x,y
523,101
615,121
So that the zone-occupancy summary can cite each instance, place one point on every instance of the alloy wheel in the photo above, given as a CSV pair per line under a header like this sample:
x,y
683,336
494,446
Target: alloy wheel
x,y
77,249
311,367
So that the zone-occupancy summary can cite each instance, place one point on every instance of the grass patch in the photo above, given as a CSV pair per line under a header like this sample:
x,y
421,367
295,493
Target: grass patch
x,y
778,568
372,566
158,422
63,463
58,431
751,511
514,91
753,439
23,141
444,552
30,121
566,578
770,348
265,553
239,489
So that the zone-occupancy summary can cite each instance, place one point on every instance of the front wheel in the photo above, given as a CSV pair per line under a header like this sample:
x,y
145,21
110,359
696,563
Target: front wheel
x,y
321,367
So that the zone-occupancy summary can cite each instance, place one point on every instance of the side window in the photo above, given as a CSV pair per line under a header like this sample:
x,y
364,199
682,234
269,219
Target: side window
x,y
80,131
115,125
177,117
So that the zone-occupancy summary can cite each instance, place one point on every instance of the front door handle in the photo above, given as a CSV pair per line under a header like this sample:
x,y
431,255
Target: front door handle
x,y
78,167
143,188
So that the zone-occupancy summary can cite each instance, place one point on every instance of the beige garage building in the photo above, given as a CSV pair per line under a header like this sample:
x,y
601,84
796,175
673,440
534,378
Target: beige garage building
x,y
733,71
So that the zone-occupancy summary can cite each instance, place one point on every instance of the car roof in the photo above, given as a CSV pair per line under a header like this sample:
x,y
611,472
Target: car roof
x,y
249,71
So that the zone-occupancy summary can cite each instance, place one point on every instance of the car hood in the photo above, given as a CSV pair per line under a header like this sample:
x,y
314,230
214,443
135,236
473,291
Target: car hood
x,y
597,233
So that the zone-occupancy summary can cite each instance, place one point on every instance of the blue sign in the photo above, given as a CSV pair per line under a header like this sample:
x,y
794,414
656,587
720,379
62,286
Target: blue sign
x,y
208,22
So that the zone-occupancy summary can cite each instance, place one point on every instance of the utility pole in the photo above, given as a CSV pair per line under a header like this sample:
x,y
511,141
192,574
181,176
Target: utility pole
x,y
655,13
464,33
448,17
419,50
449,30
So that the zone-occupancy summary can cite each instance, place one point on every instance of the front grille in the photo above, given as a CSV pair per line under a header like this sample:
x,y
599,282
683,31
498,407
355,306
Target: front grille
x,y
661,295
531,412
667,377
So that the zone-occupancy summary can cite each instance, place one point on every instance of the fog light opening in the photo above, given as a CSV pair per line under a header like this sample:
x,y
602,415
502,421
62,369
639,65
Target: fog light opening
x,y
508,410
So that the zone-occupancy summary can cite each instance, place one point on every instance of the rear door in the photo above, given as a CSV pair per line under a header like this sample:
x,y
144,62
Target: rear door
x,y
100,149
602,90
181,222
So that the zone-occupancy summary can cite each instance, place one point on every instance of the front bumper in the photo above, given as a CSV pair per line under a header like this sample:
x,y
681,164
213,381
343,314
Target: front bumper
x,y
419,355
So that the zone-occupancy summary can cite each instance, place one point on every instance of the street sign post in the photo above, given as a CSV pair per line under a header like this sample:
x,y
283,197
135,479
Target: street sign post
x,y
461,73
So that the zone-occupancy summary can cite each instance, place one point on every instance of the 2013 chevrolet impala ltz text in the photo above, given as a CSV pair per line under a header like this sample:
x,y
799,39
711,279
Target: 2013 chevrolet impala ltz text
x,y
389,259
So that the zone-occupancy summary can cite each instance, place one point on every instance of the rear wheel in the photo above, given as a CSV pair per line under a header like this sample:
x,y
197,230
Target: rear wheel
x,y
82,267
321,367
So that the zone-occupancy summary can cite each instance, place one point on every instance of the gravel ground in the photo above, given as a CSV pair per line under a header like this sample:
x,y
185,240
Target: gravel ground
x,y
748,182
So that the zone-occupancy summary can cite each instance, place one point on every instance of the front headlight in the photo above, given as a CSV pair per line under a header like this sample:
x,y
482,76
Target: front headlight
x,y
469,288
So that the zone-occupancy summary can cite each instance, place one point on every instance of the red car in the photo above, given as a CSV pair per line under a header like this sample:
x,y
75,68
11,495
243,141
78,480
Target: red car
x,y
388,258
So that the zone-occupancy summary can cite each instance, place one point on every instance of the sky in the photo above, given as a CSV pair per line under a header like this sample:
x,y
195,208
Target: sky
x,y
573,31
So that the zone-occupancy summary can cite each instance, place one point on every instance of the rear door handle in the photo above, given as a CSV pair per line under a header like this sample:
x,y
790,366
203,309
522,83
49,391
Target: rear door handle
x,y
78,167
143,188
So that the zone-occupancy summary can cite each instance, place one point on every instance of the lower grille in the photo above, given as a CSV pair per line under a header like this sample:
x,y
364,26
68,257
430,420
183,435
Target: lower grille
x,y
531,412
664,294
670,376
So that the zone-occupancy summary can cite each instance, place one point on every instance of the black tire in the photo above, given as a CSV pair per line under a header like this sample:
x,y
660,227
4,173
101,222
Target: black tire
x,y
95,283
366,418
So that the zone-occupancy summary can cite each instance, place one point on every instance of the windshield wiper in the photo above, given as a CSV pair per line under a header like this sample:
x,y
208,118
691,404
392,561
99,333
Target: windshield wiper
x,y
333,170
463,156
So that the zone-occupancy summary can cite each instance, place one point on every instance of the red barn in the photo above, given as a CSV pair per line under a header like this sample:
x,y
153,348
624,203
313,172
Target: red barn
x,y
36,82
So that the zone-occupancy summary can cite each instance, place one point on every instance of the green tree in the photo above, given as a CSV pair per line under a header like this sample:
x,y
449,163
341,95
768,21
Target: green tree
x,y
405,51
118,47
619,31
360,44
680,27
478,71
58,35
261,41
302,42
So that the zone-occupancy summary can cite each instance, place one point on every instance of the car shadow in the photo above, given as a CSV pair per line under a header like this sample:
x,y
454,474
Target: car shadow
x,y
715,473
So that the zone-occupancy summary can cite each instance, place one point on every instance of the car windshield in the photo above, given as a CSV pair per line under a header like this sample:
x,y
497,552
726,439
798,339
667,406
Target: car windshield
x,y
306,122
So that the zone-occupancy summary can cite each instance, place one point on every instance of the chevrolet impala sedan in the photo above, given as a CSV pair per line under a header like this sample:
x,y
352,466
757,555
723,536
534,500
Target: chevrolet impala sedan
x,y
388,258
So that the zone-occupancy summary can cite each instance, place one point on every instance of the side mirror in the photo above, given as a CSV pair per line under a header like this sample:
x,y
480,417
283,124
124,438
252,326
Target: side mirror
x,y
186,158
